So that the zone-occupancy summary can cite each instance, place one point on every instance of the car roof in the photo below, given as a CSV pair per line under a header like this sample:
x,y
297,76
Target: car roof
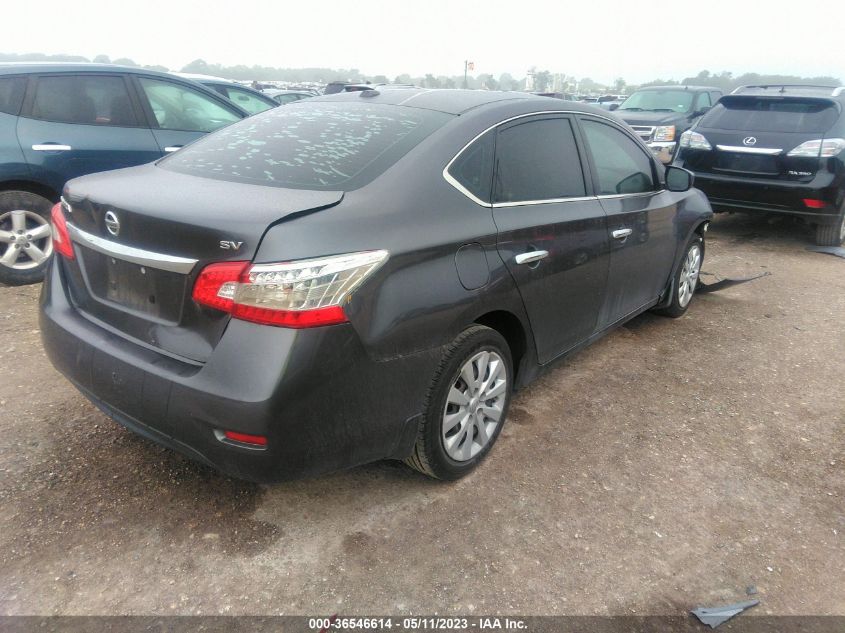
x,y
680,87
70,67
787,90
445,100
202,78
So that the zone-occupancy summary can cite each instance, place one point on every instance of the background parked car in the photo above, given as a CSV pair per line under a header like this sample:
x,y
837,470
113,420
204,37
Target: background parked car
x,y
253,101
60,121
282,97
774,149
660,114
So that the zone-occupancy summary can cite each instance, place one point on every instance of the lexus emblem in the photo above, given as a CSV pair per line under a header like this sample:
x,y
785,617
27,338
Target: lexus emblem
x,y
749,140
112,223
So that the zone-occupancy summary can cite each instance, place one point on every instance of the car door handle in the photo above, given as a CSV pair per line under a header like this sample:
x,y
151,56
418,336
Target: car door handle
x,y
51,147
173,148
530,258
621,234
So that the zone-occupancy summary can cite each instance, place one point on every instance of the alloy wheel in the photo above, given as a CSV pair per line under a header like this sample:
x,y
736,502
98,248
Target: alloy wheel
x,y
25,240
474,405
689,275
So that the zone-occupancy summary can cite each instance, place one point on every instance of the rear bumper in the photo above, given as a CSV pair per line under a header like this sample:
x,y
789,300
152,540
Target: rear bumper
x,y
320,400
768,196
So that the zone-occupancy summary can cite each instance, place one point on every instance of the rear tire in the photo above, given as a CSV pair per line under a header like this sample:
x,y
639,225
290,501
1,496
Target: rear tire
x,y
832,234
466,405
26,241
685,280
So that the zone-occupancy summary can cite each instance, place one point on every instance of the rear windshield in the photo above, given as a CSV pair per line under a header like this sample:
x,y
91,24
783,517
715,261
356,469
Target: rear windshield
x,y
309,145
767,114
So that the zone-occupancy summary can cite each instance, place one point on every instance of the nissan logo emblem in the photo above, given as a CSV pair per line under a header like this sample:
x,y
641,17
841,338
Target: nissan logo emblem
x,y
112,223
749,140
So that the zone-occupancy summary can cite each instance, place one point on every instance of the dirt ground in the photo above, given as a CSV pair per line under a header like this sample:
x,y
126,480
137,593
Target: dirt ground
x,y
672,464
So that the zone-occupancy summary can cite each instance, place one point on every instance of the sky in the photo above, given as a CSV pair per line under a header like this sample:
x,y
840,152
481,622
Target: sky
x,y
638,40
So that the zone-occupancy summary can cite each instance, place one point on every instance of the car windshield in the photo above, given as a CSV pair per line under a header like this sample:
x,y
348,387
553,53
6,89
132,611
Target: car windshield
x,y
659,101
308,145
767,114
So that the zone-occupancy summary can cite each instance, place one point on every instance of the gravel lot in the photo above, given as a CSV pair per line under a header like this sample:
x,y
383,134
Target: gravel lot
x,y
672,464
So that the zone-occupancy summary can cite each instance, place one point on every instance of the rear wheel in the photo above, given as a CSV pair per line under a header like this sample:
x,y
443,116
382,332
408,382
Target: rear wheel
x,y
25,237
466,405
686,278
832,234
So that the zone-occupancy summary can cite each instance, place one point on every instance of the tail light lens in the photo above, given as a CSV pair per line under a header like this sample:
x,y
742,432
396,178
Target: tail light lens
x,y
299,294
822,148
61,237
812,203
694,140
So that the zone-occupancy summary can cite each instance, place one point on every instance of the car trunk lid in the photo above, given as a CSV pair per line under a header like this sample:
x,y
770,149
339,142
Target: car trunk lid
x,y
142,235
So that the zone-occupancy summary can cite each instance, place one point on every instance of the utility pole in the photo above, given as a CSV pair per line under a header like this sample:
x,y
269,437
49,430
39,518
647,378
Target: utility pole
x,y
468,65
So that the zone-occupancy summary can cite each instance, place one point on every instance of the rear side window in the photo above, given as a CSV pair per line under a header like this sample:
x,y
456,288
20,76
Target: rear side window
x,y
622,167
84,99
537,160
178,107
473,169
11,94
767,114
330,146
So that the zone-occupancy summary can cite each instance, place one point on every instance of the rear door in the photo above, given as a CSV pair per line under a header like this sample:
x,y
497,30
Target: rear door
x,y
179,113
76,124
640,218
552,234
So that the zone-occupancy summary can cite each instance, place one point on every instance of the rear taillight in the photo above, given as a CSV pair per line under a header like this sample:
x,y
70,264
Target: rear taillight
x,y
299,294
822,148
61,237
694,140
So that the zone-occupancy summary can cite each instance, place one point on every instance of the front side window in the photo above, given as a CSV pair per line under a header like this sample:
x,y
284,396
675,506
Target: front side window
x,y
703,101
671,100
178,107
473,169
622,167
247,100
11,94
329,146
83,99
537,160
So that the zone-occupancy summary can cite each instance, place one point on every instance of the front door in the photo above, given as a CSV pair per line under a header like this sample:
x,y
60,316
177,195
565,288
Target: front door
x,y
640,219
77,124
552,236
181,114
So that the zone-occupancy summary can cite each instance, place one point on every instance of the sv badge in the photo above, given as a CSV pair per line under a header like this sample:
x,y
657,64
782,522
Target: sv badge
x,y
227,245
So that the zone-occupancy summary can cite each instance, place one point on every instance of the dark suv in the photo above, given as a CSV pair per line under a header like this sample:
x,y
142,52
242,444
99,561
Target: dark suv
x,y
660,114
59,121
774,149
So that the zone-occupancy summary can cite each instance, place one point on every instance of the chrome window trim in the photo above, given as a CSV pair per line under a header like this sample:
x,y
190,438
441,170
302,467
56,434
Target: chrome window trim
x,y
750,150
160,261
498,205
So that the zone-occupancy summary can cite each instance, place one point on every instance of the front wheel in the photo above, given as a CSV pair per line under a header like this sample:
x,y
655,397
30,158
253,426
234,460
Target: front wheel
x,y
466,405
25,237
686,278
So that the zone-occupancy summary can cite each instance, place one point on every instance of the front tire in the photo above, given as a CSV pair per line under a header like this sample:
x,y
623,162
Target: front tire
x,y
26,242
466,405
686,278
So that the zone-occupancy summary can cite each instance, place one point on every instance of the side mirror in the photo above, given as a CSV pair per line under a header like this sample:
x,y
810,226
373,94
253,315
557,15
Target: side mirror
x,y
613,106
702,111
678,179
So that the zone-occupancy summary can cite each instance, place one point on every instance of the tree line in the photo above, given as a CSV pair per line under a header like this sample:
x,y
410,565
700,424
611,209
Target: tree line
x,y
539,81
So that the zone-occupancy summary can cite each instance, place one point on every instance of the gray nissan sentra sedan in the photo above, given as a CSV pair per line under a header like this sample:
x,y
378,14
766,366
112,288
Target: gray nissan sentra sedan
x,y
362,276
